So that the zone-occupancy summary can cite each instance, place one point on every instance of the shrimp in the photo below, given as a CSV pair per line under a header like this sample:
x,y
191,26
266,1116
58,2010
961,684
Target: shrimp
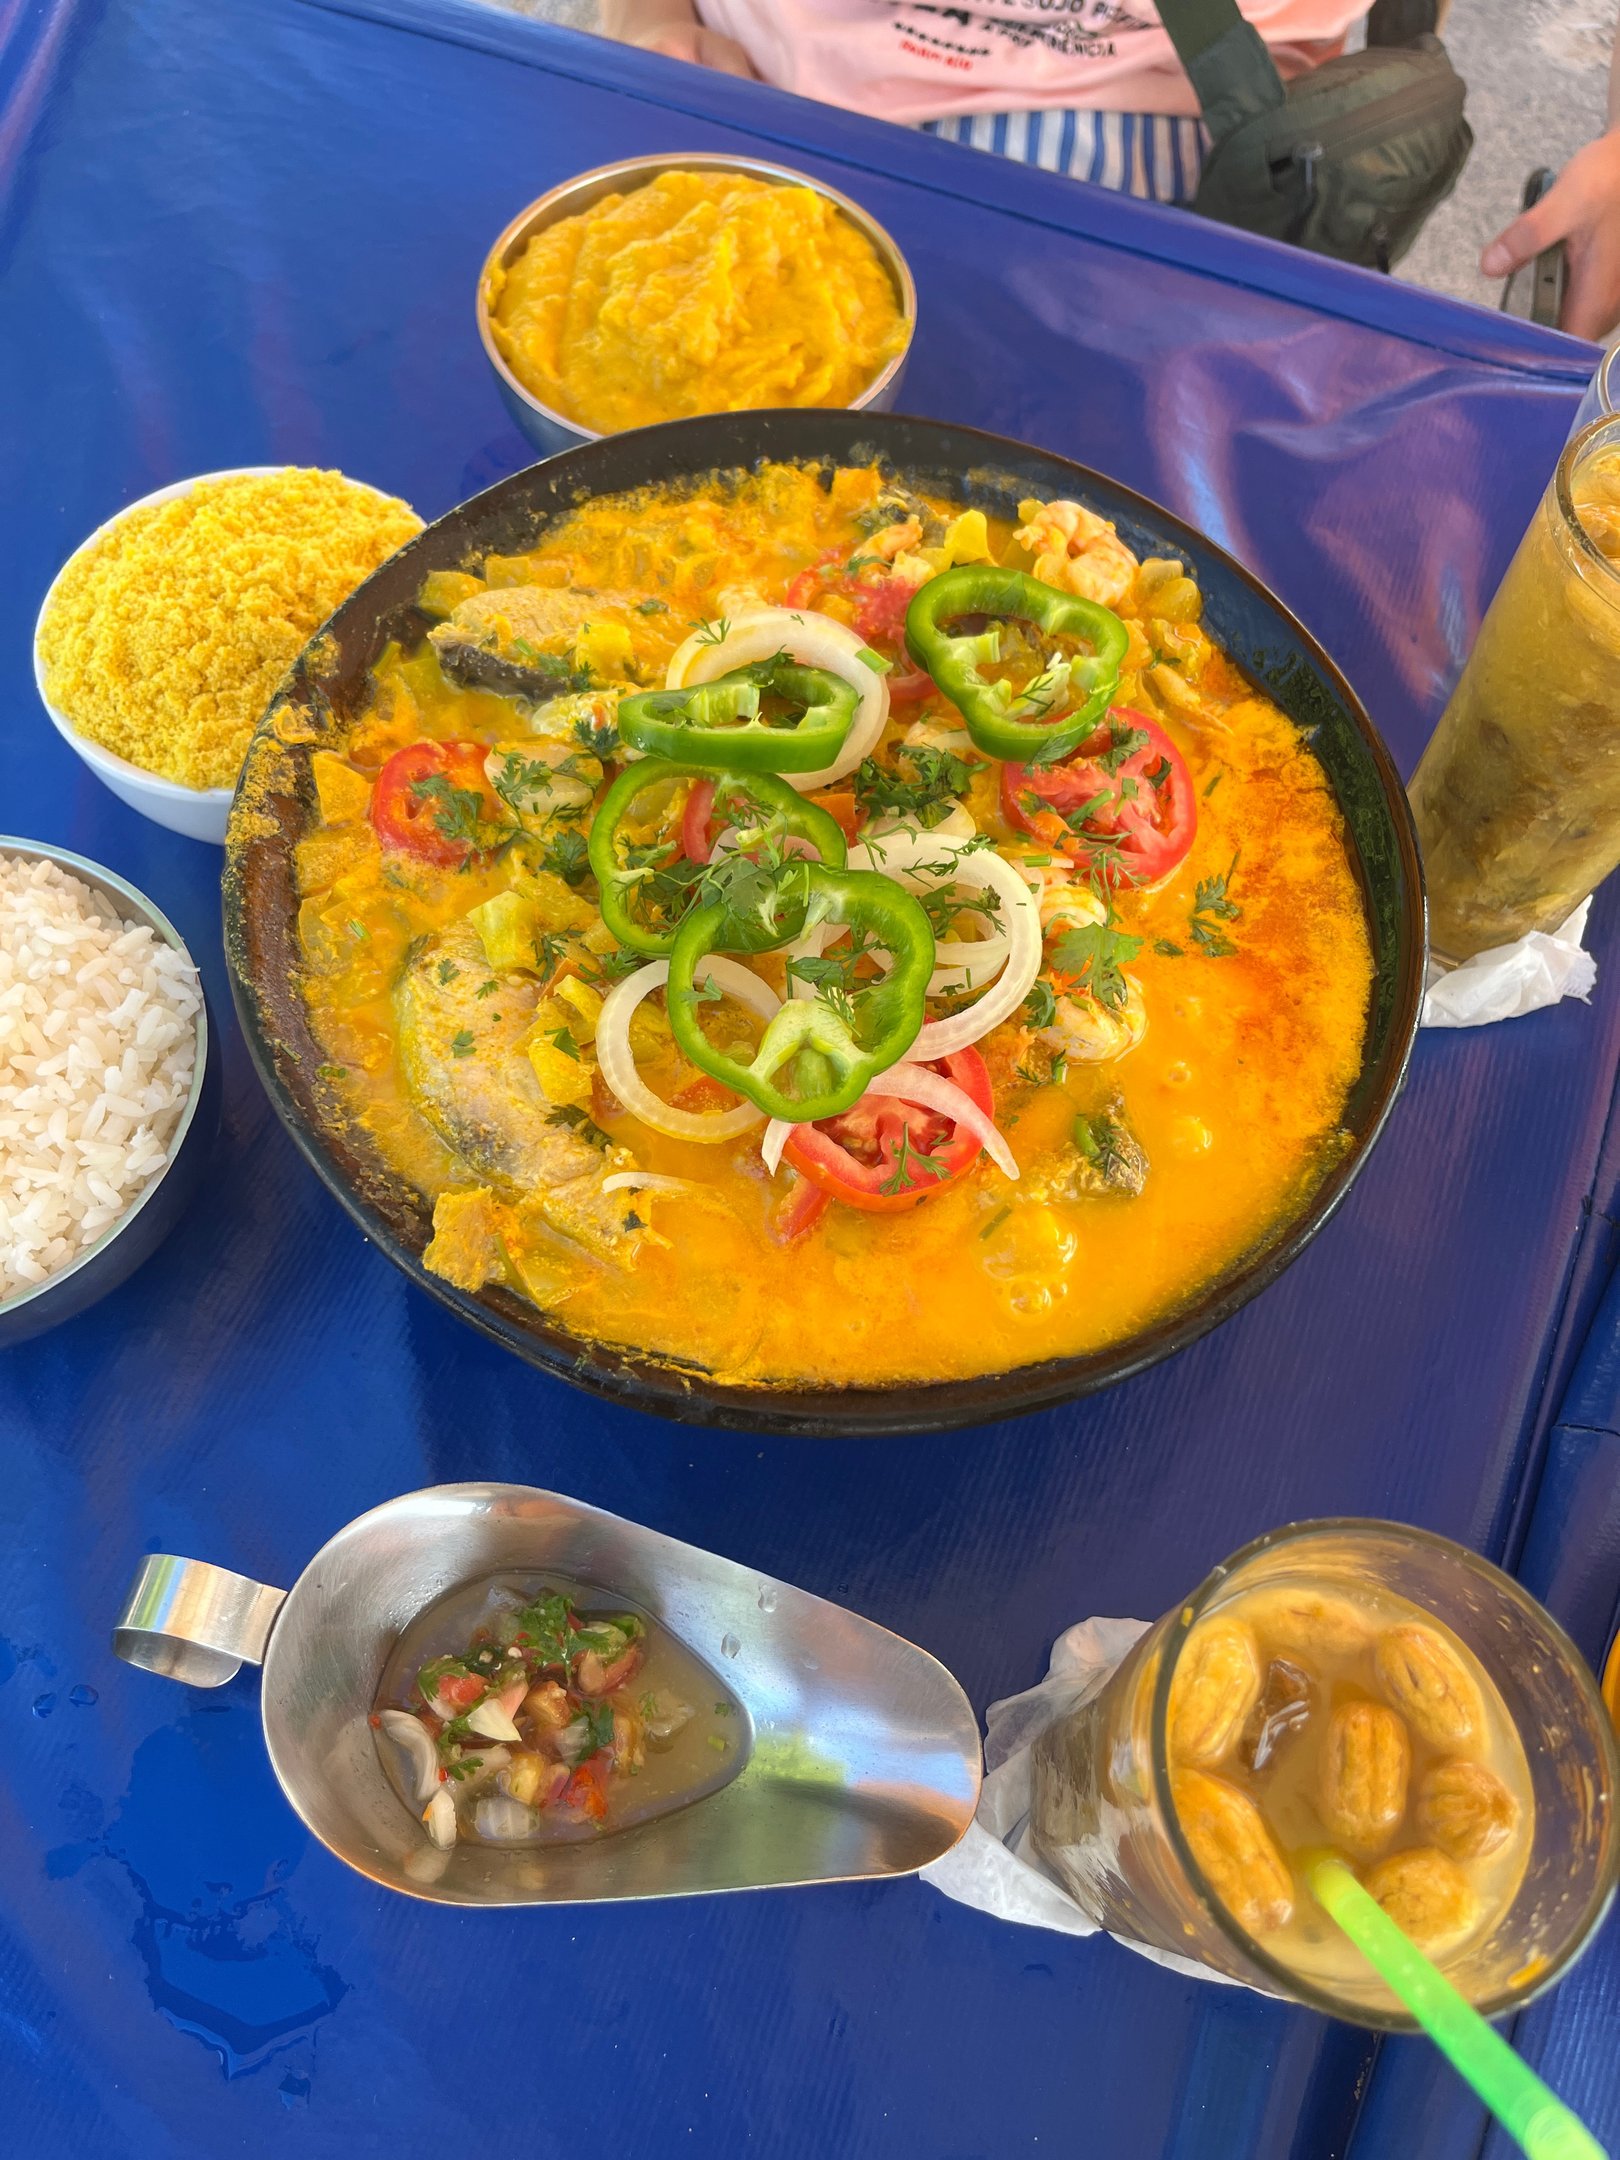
x,y
899,538
1082,1028
1077,551
1086,1032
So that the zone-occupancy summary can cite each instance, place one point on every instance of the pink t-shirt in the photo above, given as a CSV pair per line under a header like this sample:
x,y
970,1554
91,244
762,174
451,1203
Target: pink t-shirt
x,y
904,60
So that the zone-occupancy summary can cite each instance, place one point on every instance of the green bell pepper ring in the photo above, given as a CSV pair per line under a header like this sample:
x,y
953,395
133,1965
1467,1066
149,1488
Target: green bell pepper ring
x,y
637,882
1025,726
718,724
833,1048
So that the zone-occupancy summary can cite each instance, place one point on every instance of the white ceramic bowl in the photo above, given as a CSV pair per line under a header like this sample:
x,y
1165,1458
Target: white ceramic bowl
x,y
199,813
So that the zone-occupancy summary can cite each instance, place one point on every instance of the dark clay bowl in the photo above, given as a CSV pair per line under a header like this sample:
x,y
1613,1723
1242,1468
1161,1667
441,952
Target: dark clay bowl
x,y
274,805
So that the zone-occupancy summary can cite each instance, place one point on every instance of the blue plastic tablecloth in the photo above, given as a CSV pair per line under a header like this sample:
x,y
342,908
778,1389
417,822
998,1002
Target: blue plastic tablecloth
x,y
232,235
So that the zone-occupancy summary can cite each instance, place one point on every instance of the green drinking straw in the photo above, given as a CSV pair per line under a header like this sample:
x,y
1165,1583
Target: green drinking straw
x,y
1525,2107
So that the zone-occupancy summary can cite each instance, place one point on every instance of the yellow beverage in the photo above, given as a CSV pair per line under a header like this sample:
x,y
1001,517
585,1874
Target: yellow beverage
x,y
1517,799
1362,1688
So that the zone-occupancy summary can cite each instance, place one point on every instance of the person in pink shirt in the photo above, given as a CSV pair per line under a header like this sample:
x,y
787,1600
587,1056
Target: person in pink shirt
x,y
1091,88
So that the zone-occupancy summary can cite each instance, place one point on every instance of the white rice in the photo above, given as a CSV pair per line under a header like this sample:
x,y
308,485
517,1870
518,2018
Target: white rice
x,y
98,1037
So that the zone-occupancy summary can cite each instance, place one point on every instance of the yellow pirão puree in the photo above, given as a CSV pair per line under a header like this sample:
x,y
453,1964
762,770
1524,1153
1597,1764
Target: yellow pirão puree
x,y
700,292
1235,1091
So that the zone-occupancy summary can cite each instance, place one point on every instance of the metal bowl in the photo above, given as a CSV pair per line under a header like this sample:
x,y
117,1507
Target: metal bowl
x,y
550,430
328,683
137,1234
864,1755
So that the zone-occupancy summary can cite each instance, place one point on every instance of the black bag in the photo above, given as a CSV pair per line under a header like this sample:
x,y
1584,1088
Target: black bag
x,y
1347,160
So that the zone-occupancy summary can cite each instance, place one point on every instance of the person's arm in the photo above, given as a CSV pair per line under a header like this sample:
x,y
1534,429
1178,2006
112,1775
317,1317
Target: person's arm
x,y
672,27
1581,208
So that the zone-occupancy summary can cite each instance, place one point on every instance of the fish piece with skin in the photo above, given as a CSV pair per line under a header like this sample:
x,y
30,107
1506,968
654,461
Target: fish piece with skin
x,y
519,639
465,1064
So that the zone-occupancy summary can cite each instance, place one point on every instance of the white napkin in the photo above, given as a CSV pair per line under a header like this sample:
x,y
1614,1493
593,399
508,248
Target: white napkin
x,y
994,1867
1533,971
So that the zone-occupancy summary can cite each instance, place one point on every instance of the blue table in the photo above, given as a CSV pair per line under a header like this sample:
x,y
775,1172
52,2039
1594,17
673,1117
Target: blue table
x,y
234,235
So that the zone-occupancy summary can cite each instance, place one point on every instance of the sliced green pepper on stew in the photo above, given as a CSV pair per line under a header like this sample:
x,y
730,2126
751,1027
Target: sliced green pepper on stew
x,y
817,1055
648,888
720,724
1063,704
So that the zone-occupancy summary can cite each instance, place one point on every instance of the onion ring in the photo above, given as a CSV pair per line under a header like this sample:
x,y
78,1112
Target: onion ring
x,y
911,859
813,641
618,1065
956,824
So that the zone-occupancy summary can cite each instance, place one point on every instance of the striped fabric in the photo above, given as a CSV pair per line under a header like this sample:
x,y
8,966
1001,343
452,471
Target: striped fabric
x,y
1155,155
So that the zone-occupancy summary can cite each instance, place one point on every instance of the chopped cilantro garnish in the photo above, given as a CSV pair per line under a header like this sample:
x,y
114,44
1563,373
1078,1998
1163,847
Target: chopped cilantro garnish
x,y
1123,743
461,1043
1213,905
1098,1138
908,1160
568,857
1096,956
598,1718
457,812
941,779
1041,1003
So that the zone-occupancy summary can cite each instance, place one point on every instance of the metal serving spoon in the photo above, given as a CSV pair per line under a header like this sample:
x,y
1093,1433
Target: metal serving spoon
x,y
865,1752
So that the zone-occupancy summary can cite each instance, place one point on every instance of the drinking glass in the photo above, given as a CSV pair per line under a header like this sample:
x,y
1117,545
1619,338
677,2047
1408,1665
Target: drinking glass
x,y
1599,402
1517,798
1103,1817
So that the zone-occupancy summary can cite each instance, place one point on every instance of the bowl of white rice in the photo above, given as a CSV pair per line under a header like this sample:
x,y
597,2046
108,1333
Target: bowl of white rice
x,y
108,1099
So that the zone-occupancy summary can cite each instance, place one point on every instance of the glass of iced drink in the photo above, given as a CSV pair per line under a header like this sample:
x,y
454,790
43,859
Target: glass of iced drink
x,y
1355,1687
1517,799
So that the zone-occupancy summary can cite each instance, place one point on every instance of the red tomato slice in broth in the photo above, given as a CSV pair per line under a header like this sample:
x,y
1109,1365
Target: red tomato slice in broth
x,y
404,817
852,1158
1148,826
697,822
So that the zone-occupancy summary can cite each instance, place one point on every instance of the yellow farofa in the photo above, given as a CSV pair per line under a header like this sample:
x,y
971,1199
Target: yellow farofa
x,y
166,639
700,292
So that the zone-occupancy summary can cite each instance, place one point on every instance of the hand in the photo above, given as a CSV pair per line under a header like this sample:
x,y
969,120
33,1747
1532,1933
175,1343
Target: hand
x,y
1582,208
681,41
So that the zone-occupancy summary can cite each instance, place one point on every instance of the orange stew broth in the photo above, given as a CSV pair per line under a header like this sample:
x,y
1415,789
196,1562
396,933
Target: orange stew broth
x,y
1235,1091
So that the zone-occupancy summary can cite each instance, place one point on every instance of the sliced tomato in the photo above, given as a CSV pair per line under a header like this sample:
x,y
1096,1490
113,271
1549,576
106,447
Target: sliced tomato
x,y
461,1690
409,813
910,685
702,1093
877,604
803,1208
1132,825
587,1789
698,833
856,1158
880,609
803,589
